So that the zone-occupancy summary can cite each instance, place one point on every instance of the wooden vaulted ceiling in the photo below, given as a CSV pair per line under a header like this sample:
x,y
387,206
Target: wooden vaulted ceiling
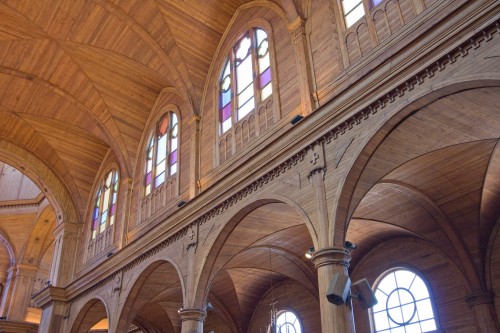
x,y
78,79
435,177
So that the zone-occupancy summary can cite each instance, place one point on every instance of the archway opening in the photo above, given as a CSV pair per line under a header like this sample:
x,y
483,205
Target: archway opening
x,y
154,301
27,222
261,268
432,181
92,318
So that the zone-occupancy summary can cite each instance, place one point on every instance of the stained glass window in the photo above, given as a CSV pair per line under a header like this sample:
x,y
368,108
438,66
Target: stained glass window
x,y
404,304
104,212
353,11
161,152
245,78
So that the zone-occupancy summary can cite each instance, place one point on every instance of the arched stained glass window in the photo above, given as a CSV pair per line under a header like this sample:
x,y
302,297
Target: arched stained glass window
x,y
161,152
245,78
104,212
404,304
288,322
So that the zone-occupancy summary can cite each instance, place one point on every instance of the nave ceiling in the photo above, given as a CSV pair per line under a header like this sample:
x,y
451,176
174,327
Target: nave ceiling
x,y
78,79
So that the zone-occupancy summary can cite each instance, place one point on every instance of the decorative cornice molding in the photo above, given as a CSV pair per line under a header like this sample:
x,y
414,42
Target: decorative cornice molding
x,y
23,203
476,41
49,296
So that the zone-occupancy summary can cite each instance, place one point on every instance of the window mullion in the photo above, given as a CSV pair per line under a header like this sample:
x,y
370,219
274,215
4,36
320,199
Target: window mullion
x,y
155,154
234,93
101,205
168,152
255,69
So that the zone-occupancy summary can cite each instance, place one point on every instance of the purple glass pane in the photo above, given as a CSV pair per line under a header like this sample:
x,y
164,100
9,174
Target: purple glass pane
x,y
376,2
265,78
225,113
173,157
147,179
94,224
113,210
96,213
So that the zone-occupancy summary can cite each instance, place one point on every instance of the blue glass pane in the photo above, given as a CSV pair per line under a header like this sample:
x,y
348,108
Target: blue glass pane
x,y
225,98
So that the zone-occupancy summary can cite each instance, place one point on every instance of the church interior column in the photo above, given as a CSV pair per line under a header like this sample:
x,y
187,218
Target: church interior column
x,y
332,264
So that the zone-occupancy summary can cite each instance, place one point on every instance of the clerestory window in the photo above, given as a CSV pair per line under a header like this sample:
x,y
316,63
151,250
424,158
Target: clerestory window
x,y
404,304
104,212
245,79
162,152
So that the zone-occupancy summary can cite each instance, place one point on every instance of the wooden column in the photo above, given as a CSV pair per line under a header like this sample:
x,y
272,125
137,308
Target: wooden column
x,y
194,163
482,304
329,259
52,299
18,292
334,318
65,248
304,68
192,320
55,309
7,291
191,315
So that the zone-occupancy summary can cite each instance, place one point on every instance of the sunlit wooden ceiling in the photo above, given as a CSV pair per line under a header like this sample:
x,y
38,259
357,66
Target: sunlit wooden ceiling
x,y
78,79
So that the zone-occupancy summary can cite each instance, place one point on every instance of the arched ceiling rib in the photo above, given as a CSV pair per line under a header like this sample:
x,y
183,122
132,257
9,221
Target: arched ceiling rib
x,y
435,177
98,67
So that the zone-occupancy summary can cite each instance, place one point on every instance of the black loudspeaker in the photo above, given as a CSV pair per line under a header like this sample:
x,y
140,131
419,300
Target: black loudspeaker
x,y
363,292
338,291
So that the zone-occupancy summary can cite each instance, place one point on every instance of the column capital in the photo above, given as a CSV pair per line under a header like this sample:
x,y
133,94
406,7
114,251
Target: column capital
x,y
480,297
331,256
193,314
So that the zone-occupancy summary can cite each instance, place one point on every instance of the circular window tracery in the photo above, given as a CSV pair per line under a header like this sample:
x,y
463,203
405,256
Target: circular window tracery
x,y
404,304
288,322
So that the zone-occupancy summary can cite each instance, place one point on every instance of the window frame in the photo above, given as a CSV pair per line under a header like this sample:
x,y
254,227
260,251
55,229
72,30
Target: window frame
x,y
430,297
97,226
230,58
298,320
152,147
344,14
367,5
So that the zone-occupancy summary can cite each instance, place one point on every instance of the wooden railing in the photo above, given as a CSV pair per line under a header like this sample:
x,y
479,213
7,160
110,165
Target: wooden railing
x,y
379,24
99,244
246,130
159,198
